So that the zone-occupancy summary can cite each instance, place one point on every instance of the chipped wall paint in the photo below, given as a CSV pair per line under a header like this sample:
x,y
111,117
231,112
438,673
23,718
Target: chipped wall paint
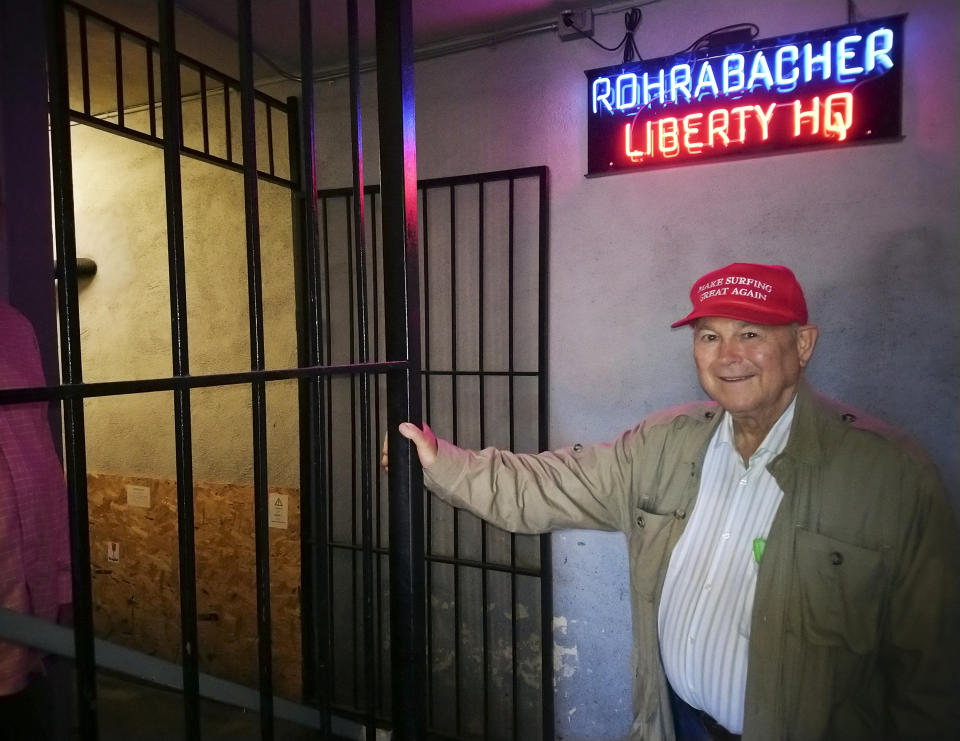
x,y
565,660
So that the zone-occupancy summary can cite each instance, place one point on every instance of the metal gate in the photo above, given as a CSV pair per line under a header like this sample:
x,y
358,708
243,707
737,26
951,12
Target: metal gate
x,y
489,611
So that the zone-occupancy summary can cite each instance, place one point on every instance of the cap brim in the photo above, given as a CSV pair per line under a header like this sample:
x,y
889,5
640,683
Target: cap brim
x,y
743,315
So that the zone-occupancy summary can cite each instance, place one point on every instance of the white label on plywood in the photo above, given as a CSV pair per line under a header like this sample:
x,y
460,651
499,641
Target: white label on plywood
x,y
137,496
279,504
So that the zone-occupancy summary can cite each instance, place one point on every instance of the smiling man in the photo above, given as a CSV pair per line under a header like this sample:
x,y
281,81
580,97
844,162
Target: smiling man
x,y
794,565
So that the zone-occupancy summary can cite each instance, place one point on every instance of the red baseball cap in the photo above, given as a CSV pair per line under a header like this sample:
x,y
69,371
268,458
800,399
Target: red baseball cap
x,y
762,294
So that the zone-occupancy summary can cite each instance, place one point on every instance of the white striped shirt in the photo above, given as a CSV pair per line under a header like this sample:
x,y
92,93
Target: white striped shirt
x,y
704,618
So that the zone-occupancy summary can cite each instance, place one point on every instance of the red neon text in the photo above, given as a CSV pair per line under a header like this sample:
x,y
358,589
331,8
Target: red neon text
x,y
721,128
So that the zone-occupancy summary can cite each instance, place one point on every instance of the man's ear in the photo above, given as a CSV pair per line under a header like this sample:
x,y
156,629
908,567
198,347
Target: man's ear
x,y
806,340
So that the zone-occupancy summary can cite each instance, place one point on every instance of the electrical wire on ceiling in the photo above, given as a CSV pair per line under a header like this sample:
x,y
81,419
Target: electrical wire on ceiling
x,y
734,30
852,12
438,49
631,20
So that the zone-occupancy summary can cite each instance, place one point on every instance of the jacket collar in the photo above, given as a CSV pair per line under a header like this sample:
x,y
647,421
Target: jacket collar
x,y
815,431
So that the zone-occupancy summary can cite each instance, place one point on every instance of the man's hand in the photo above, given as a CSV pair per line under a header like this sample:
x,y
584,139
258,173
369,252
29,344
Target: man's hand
x,y
424,439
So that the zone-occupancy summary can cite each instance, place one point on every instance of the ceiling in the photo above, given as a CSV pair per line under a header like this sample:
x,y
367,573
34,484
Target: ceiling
x,y
206,31
438,25
435,22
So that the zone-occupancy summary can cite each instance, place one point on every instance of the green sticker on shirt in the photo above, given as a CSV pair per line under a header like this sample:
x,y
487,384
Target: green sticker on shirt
x,y
758,545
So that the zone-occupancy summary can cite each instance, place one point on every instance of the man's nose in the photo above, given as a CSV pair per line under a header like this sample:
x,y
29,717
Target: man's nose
x,y
730,350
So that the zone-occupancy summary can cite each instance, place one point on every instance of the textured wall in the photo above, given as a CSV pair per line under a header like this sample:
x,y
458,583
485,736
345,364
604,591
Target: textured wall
x,y
125,311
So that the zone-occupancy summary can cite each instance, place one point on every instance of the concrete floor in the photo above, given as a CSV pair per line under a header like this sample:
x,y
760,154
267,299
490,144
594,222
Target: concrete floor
x,y
131,711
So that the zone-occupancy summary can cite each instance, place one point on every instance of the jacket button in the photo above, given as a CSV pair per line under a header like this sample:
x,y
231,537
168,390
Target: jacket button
x,y
836,558
709,415
577,448
848,418
640,521
680,513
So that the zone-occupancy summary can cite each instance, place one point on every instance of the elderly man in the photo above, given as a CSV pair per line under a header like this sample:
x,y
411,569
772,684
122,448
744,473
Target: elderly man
x,y
794,566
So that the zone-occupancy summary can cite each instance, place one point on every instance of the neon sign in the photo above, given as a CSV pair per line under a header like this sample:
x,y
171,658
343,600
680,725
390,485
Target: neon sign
x,y
830,87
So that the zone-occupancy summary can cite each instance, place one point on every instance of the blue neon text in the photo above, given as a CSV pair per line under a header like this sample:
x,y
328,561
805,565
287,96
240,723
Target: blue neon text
x,y
778,69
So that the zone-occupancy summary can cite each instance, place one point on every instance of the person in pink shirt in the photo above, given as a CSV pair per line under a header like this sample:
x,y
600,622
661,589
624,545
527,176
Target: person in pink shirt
x,y
34,534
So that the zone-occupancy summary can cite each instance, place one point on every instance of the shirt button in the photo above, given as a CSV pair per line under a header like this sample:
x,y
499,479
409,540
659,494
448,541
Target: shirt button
x,y
725,536
708,587
743,481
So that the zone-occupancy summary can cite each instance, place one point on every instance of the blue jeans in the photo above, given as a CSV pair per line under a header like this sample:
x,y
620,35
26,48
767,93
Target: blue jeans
x,y
689,723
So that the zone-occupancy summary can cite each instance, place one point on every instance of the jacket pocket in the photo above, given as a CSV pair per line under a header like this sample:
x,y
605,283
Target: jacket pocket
x,y
840,588
650,541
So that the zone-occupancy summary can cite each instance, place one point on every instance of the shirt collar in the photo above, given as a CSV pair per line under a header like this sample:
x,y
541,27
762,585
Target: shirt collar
x,y
776,439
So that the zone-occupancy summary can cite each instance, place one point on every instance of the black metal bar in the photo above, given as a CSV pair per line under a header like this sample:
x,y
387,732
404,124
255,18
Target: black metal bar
x,y
291,122
174,383
151,92
314,556
179,103
374,250
258,389
511,401
363,336
323,283
546,579
204,124
483,437
118,53
378,435
84,59
351,323
325,272
449,560
482,177
170,82
270,167
301,269
72,370
455,407
427,415
442,182
196,154
476,373
425,204
402,308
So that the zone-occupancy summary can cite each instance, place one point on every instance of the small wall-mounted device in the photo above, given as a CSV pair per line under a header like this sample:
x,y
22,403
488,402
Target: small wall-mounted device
x,y
575,24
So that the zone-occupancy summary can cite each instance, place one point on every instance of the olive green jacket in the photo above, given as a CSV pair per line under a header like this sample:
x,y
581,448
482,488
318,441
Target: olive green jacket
x,y
855,631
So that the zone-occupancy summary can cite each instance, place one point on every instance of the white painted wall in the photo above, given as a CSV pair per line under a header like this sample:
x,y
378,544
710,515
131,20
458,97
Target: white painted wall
x,y
125,312
871,231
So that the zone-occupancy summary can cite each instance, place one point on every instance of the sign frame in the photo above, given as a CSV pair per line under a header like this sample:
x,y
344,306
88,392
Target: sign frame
x,y
821,89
